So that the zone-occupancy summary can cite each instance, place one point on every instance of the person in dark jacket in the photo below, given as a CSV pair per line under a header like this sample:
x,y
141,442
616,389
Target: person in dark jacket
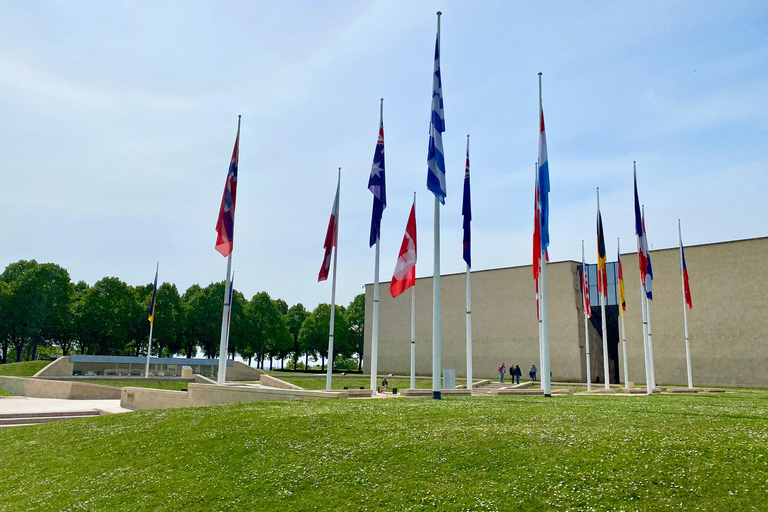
x,y
518,373
532,373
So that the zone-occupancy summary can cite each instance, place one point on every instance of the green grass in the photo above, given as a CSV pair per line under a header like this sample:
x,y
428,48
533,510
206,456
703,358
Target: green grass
x,y
706,452
22,369
352,383
175,386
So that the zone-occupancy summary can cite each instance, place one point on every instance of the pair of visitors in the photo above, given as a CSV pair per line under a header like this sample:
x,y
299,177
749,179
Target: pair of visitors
x,y
502,371
532,372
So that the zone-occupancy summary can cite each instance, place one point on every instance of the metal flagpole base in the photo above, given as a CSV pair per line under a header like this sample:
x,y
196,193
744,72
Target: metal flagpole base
x,y
436,395
550,396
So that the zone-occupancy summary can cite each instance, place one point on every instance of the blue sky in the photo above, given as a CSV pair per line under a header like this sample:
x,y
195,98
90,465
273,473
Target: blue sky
x,y
119,120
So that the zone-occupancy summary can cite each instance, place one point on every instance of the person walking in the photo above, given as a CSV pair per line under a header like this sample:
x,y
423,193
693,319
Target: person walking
x,y
518,373
502,369
532,373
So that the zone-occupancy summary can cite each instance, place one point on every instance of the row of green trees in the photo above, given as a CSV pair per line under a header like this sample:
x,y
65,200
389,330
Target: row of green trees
x,y
42,311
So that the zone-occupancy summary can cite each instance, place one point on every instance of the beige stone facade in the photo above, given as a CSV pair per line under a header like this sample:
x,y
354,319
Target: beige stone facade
x,y
728,323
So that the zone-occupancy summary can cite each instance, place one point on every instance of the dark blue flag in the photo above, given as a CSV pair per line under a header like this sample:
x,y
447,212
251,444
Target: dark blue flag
x,y
377,184
466,211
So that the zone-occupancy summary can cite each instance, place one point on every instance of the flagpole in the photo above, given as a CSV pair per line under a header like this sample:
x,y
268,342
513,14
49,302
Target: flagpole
x,y
413,334
546,381
606,371
623,330
222,374
436,356
469,315
222,377
375,329
333,290
648,318
685,309
539,316
585,281
152,323
229,313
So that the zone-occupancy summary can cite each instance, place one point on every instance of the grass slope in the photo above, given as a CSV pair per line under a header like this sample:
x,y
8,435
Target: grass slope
x,y
352,383
22,369
503,453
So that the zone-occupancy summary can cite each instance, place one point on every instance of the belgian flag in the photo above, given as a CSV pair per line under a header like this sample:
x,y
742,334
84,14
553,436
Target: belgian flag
x,y
602,274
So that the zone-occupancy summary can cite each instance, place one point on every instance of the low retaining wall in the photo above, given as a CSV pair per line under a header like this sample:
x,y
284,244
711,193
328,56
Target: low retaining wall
x,y
268,380
206,394
45,388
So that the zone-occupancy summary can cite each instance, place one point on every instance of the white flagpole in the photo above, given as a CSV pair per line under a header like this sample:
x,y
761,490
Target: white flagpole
x,y
648,319
645,340
152,324
546,382
585,280
538,296
229,313
333,289
222,377
469,318
436,356
606,371
413,322
623,331
685,309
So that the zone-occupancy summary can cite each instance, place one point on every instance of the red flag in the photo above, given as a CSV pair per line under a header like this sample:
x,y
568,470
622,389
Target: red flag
x,y
585,292
686,285
225,226
330,238
405,269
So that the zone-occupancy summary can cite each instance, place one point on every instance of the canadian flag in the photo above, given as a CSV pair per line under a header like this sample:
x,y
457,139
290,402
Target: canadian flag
x,y
405,269
330,238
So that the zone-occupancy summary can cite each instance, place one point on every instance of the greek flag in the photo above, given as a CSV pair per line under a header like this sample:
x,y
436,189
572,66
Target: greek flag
x,y
435,158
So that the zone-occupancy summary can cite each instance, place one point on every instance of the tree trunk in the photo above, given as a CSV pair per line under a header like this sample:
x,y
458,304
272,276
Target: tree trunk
x,y
360,362
270,363
282,363
322,363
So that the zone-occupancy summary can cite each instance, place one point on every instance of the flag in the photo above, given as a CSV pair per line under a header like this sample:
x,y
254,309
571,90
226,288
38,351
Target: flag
x,y
466,211
644,258
622,294
686,284
537,240
543,185
602,273
585,291
330,237
378,186
435,158
226,223
405,269
154,296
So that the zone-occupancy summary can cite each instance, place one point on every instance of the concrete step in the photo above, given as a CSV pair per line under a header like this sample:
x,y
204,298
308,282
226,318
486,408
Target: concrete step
x,y
36,418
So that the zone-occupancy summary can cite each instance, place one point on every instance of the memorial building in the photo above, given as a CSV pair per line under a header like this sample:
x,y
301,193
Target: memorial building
x,y
728,323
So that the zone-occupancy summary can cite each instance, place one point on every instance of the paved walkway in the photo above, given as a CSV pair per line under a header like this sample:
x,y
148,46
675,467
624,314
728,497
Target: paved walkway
x,y
25,404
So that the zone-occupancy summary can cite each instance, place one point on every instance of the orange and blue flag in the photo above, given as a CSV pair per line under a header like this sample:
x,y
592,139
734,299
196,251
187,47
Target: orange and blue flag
x,y
622,294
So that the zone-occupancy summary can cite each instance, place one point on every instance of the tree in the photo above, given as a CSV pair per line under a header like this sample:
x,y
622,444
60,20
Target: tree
x,y
109,319
356,317
265,326
313,336
281,343
169,319
202,319
293,319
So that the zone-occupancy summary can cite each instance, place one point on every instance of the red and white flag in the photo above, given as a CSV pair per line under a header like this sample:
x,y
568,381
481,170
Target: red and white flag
x,y
405,269
330,237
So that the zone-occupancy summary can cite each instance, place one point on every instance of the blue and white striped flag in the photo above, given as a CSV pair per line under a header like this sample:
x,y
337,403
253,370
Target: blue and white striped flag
x,y
435,158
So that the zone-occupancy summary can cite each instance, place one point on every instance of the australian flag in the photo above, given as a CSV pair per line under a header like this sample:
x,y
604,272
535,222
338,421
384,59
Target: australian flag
x,y
435,158
378,185
225,226
466,211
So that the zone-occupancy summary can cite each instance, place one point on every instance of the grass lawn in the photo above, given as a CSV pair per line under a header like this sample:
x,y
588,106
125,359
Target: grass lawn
x,y
527,453
174,386
23,369
352,383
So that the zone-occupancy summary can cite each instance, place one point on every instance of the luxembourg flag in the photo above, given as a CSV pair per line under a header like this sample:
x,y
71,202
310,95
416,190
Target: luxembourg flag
x,y
543,186
405,269
330,236
226,223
